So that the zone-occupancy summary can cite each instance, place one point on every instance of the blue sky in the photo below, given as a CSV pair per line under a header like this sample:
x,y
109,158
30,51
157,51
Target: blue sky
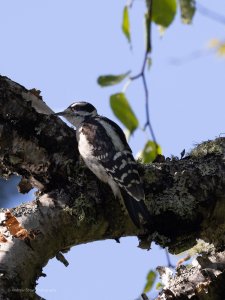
x,y
61,47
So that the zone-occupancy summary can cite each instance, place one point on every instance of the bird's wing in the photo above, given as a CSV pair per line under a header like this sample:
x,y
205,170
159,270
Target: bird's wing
x,y
125,173
119,164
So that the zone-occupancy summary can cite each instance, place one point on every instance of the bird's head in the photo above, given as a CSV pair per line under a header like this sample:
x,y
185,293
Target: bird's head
x,y
77,112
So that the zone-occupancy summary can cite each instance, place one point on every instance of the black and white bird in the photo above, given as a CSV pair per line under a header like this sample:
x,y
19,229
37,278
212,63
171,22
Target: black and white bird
x,y
104,149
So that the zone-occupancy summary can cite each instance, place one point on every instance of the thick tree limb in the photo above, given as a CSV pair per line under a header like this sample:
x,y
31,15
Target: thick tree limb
x,y
185,197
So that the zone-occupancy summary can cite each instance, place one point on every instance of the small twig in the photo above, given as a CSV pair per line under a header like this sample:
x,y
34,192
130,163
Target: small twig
x,y
148,123
169,264
183,259
190,57
60,257
126,85
130,3
142,68
144,296
143,77
210,14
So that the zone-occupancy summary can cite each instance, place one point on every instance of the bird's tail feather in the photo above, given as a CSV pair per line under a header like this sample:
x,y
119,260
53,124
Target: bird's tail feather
x,y
137,209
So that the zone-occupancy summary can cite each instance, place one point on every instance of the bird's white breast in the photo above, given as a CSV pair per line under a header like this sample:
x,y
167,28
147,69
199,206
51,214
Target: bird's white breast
x,y
85,148
86,151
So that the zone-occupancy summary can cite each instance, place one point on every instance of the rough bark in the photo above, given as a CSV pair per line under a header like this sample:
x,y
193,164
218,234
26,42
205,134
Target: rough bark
x,y
203,279
185,198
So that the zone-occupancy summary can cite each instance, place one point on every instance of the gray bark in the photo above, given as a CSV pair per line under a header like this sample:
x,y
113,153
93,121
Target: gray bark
x,y
185,198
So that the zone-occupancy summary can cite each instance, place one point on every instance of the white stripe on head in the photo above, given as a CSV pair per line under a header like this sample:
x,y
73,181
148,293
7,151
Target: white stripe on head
x,y
82,106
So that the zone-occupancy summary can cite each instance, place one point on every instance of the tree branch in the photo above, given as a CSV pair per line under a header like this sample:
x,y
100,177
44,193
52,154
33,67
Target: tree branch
x,y
210,14
185,197
203,279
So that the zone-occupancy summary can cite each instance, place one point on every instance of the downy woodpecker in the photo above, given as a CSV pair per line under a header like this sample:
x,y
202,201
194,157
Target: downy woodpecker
x,y
104,149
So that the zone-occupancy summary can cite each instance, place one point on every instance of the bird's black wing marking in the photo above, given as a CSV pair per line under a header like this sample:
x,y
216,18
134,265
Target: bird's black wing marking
x,y
126,175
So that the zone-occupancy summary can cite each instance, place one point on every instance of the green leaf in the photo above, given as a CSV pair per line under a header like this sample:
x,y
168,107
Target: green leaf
x,y
159,286
150,152
121,108
107,80
188,8
126,23
150,281
163,12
